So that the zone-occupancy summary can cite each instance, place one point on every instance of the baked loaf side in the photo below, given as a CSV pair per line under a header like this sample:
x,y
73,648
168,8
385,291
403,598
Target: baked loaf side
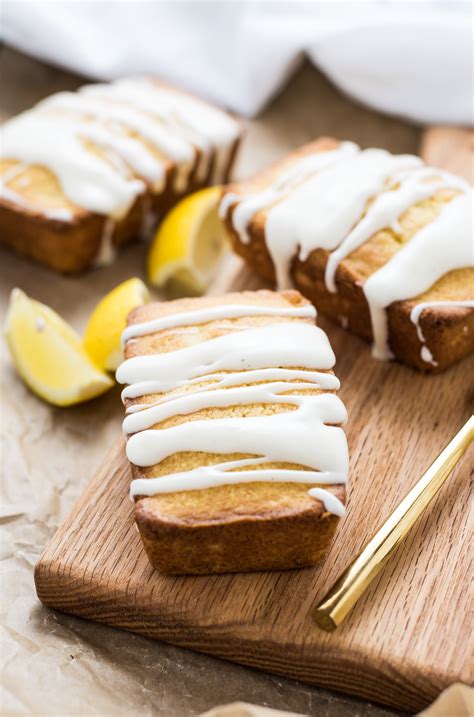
x,y
380,243
86,171
232,420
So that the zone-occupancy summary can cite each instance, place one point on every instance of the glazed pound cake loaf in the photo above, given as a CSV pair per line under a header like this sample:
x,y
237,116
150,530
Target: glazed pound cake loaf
x,y
380,243
85,171
233,433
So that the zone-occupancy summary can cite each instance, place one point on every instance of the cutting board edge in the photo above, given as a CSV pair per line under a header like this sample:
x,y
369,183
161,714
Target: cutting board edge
x,y
388,686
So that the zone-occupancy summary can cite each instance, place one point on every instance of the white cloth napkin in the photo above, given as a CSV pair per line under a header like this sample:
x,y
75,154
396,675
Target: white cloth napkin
x,y
407,58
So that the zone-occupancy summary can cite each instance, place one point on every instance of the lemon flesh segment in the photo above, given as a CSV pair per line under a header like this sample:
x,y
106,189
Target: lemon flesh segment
x,y
102,337
188,245
48,354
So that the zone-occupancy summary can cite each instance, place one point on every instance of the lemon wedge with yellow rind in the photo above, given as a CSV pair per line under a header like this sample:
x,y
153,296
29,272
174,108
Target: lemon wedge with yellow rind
x,y
108,320
48,354
188,245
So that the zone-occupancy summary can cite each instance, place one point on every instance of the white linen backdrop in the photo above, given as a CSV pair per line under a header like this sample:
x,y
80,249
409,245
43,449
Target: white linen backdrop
x,y
412,59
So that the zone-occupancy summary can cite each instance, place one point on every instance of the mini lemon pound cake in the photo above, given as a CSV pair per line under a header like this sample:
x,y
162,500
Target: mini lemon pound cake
x,y
233,433
380,243
85,171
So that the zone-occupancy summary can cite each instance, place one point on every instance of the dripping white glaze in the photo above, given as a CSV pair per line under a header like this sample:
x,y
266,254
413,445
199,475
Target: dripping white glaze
x,y
60,214
300,436
331,502
439,247
135,124
55,142
205,126
330,209
415,317
160,136
100,105
427,356
106,253
138,94
320,213
221,474
297,173
130,150
236,378
261,362
277,345
191,402
387,208
203,316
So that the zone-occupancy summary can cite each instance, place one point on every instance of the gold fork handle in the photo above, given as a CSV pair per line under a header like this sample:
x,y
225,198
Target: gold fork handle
x,y
344,594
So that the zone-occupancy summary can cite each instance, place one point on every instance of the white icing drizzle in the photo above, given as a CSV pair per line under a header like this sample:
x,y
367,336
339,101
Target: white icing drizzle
x,y
59,214
204,316
297,173
427,356
220,474
331,503
277,363
173,139
300,437
415,317
206,126
191,402
284,345
54,141
321,212
106,254
133,153
236,378
146,164
439,247
387,208
137,126
342,204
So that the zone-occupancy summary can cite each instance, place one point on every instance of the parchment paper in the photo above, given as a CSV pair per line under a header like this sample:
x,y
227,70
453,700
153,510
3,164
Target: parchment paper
x,y
54,664
456,701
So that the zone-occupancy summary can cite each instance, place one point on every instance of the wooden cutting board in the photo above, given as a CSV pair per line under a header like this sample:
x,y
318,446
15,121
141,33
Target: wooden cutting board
x,y
407,638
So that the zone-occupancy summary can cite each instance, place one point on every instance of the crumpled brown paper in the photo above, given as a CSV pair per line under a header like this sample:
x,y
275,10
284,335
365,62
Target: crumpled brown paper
x,y
456,701
242,709
55,664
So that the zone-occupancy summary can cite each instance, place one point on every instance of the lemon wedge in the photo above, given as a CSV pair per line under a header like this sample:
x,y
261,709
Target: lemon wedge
x,y
48,354
188,245
108,320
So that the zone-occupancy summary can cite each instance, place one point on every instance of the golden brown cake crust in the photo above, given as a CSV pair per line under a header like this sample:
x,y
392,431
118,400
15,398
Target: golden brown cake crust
x,y
449,331
247,526
72,246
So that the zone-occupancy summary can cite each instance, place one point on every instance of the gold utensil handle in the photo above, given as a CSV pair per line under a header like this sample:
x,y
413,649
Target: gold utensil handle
x,y
344,594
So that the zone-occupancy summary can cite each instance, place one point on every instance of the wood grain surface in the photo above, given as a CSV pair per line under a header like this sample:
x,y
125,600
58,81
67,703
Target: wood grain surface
x,y
407,638
451,148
